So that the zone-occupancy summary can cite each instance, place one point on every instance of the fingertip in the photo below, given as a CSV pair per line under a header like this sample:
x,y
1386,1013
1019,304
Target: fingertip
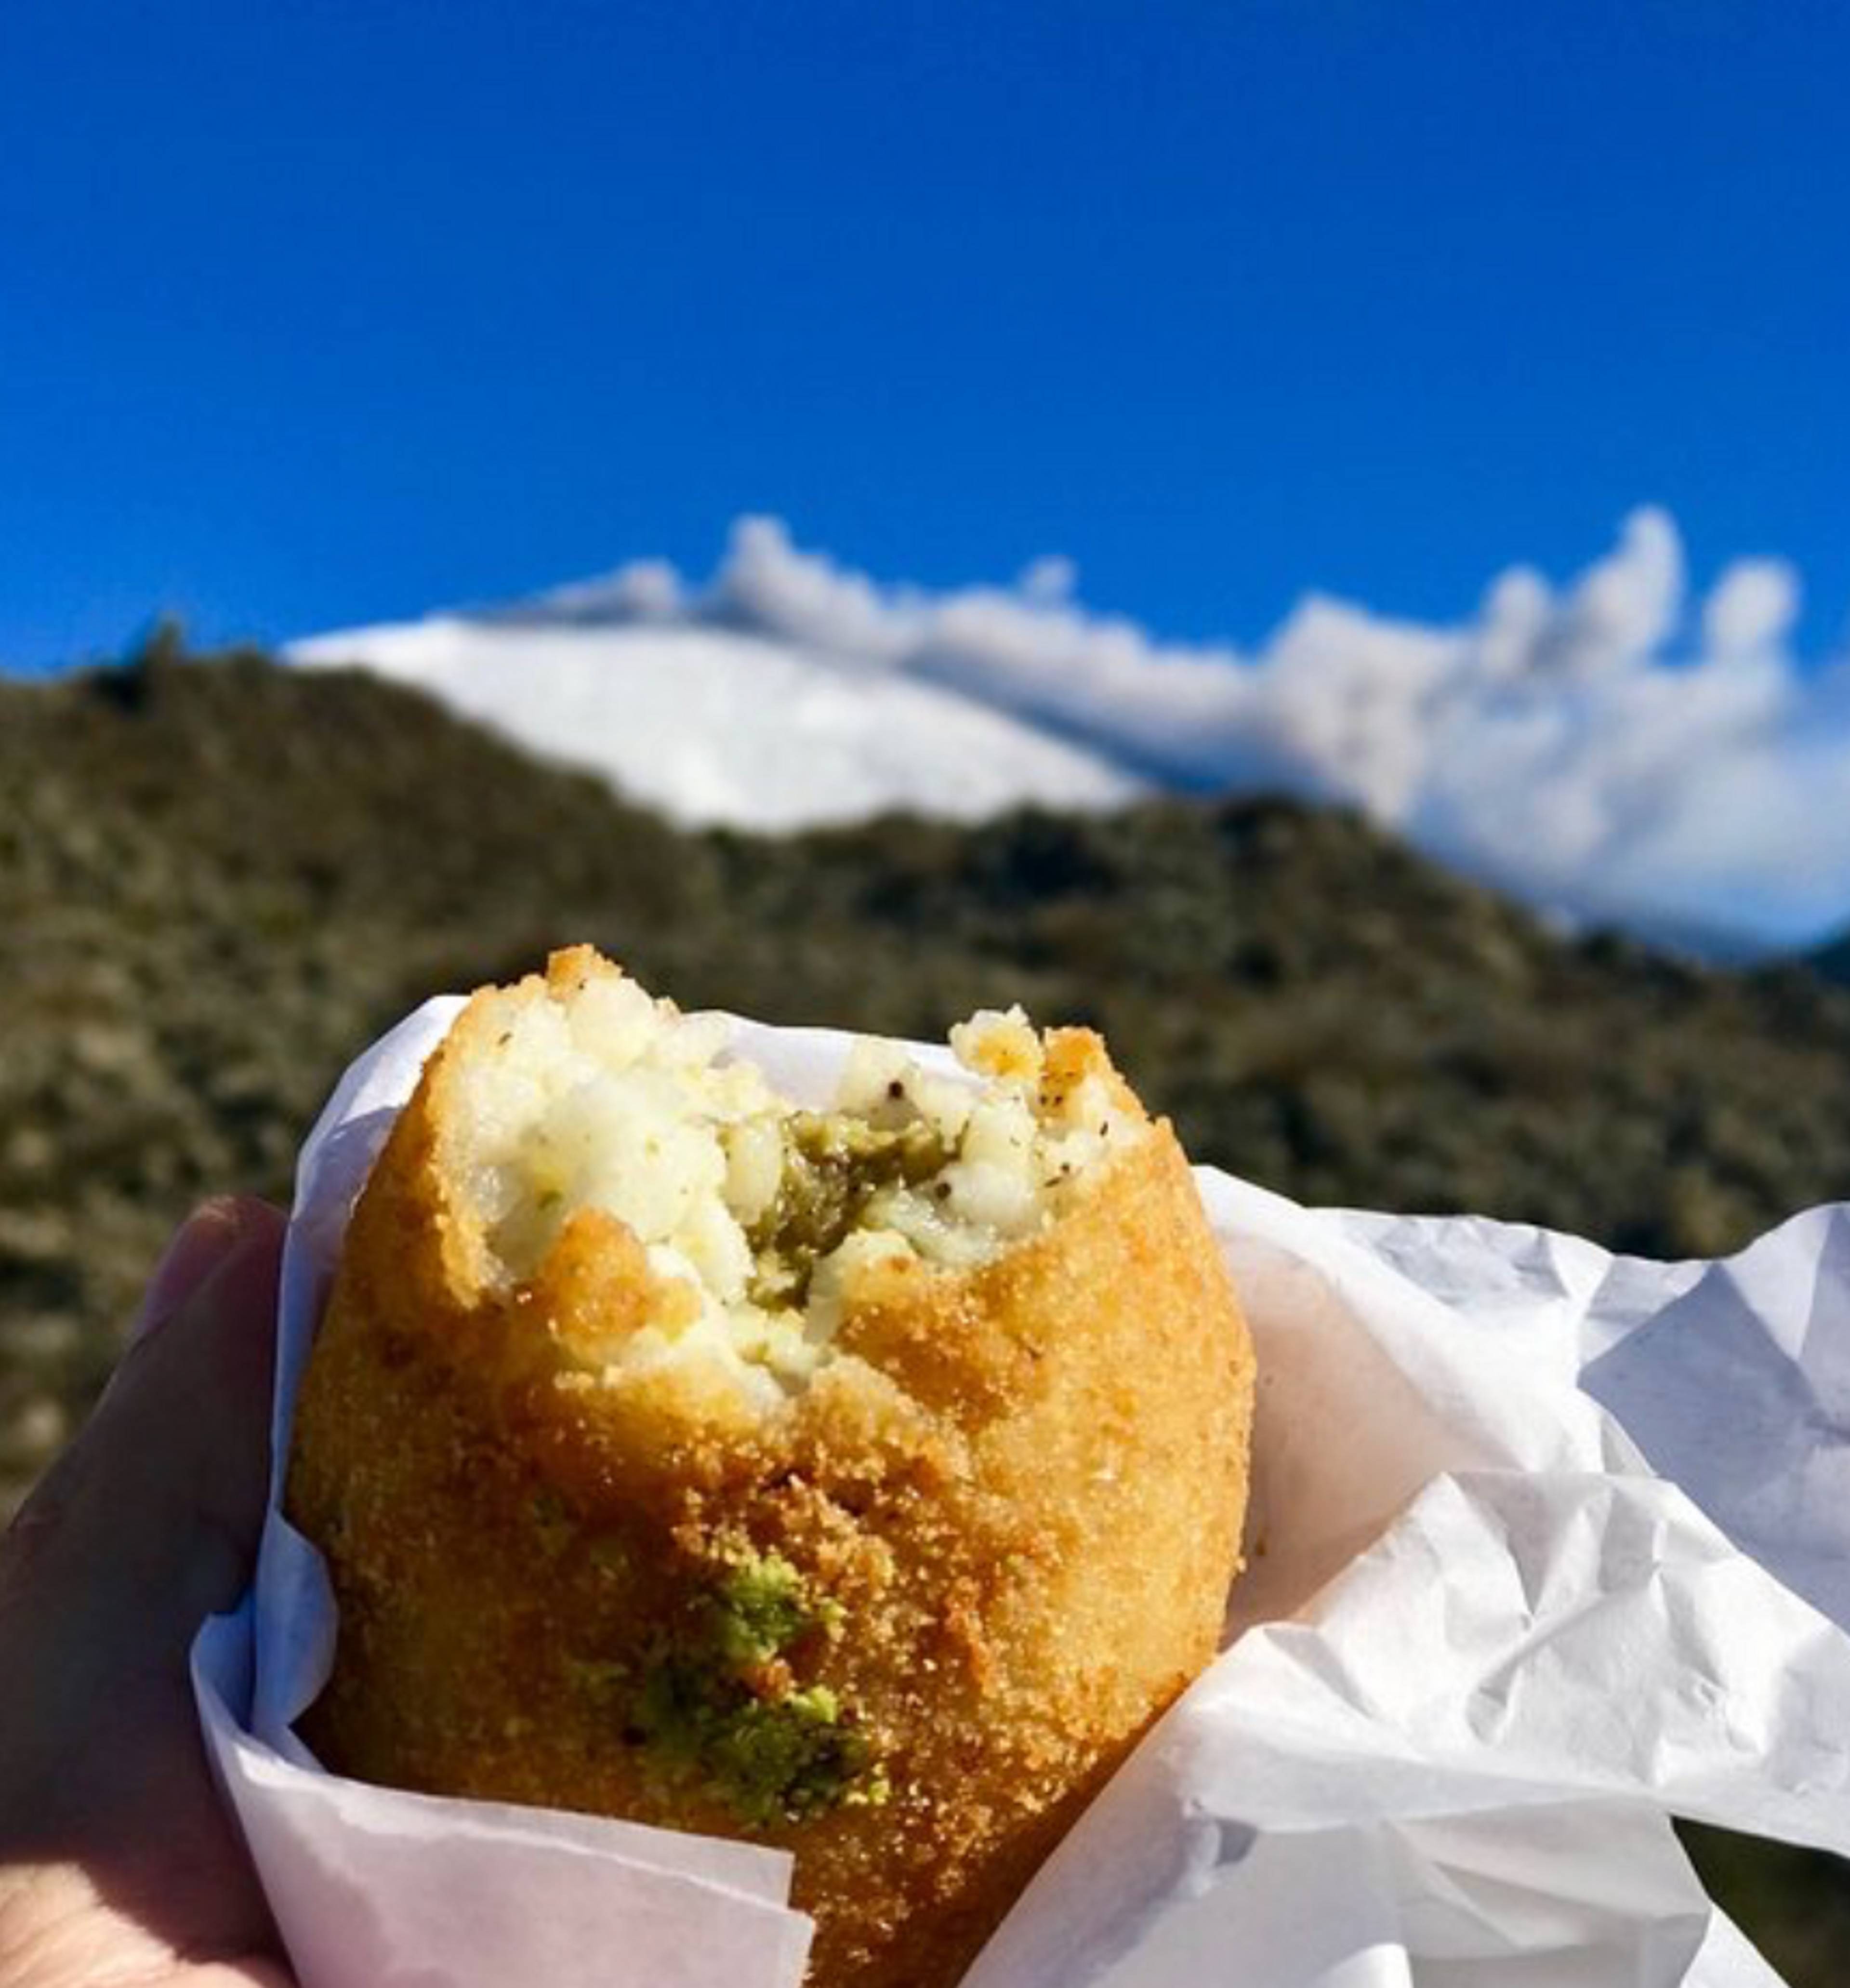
x,y
241,1287
215,1230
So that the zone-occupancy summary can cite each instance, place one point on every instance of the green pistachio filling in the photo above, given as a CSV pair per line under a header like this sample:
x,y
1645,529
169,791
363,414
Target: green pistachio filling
x,y
834,1164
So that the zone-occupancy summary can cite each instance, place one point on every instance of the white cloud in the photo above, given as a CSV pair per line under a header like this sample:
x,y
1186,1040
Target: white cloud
x,y
765,583
1603,747
646,590
1051,578
1621,611
1751,609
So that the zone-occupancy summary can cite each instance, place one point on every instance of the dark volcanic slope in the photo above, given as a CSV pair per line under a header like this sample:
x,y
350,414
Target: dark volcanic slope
x,y
217,880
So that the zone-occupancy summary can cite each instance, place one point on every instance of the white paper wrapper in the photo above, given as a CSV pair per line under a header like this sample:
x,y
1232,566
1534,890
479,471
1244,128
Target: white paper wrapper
x,y
1548,1546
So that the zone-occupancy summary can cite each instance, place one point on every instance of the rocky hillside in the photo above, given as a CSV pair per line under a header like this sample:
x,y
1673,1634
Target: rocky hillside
x,y
218,879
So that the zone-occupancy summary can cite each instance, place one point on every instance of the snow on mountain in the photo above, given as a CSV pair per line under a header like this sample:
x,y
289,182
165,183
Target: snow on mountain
x,y
1610,750
714,725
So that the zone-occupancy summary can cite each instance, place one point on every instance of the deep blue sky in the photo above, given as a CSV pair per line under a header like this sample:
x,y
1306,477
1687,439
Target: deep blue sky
x,y
326,312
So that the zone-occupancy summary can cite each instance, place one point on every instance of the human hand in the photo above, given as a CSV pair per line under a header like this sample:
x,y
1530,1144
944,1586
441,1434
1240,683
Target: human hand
x,y
118,1866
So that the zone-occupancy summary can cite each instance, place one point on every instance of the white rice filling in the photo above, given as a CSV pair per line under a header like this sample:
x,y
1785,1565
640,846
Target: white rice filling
x,y
615,1100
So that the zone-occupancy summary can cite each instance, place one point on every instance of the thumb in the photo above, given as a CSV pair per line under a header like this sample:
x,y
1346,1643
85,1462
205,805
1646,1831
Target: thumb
x,y
177,1455
116,1858
149,1521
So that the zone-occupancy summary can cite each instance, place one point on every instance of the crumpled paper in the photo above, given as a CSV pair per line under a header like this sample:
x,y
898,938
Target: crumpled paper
x,y
1547,1546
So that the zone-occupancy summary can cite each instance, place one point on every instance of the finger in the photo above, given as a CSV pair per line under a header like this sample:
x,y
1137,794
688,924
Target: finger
x,y
203,1240
108,1825
148,1523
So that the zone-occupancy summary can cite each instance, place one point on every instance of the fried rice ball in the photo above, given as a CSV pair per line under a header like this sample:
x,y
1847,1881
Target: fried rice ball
x,y
862,1482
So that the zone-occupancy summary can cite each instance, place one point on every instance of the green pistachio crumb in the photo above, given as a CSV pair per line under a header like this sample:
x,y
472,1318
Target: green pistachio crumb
x,y
767,1758
761,1609
720,1707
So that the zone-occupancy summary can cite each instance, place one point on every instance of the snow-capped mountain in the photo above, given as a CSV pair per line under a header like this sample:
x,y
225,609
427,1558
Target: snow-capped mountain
x,y
720,725
1611,750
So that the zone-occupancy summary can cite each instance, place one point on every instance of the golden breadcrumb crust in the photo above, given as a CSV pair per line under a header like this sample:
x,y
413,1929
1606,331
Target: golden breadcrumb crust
x,y
1014,1506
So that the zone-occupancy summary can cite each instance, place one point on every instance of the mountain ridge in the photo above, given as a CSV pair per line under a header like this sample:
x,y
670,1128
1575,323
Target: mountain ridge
x,y
1587,748
721,723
